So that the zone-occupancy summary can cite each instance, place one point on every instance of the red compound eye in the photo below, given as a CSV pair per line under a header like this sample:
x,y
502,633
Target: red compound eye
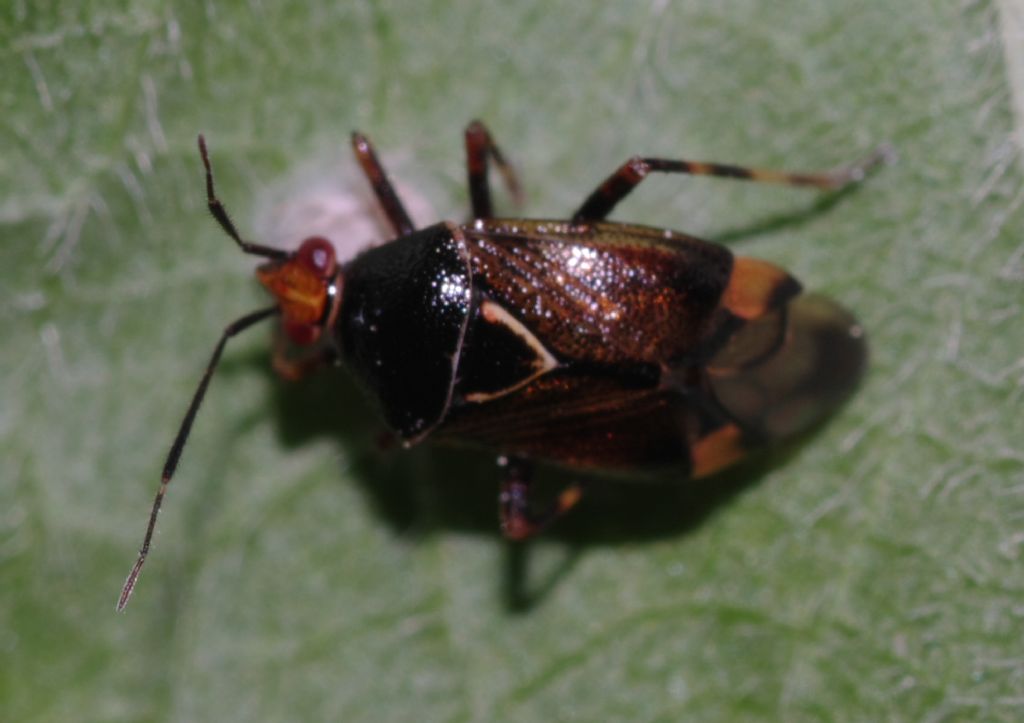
x,y
317,254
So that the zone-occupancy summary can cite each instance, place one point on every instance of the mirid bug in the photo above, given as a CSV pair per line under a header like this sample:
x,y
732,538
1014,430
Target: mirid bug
x,y
592,345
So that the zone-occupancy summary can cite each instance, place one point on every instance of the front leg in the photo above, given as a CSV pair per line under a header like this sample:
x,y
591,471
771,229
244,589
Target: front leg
x,y
479,147
518,520
294,365
381,185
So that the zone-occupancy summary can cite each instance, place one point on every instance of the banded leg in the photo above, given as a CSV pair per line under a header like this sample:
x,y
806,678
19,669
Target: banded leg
x,y
518,521
220,213
480,145
619,185
381,185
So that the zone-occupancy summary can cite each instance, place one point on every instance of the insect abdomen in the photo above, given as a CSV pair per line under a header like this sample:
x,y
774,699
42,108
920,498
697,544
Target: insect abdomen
x,y
784,372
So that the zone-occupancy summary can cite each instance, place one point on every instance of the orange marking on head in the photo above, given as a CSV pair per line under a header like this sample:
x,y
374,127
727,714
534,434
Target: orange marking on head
x,y
756,287
300,284
717,450
300,293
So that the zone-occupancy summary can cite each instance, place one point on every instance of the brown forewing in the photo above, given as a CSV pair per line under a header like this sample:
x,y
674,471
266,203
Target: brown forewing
x,y
601,292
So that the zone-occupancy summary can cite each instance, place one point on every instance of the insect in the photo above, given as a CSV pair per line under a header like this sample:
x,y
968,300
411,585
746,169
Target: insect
x,y
593,345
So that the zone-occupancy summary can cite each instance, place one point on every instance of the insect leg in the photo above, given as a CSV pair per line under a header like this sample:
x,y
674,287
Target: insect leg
x,y
629,175
518,521
480,145
221,214
293,368
381,185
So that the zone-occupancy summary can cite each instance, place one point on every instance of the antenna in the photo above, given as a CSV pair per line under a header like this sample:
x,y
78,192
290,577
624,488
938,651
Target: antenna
x,y
171,464
221,214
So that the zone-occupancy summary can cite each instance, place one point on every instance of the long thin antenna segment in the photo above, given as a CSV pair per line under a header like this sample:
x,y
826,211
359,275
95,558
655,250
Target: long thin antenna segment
x,y
171,464
221,214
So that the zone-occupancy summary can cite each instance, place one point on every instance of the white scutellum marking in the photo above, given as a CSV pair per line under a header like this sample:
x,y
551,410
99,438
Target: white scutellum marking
x,y
544,361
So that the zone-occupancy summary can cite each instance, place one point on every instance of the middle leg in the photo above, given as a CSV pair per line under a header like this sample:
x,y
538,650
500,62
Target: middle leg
x,y
518,520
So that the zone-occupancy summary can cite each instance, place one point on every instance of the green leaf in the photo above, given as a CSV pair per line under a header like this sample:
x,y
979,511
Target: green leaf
x,y
872,572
